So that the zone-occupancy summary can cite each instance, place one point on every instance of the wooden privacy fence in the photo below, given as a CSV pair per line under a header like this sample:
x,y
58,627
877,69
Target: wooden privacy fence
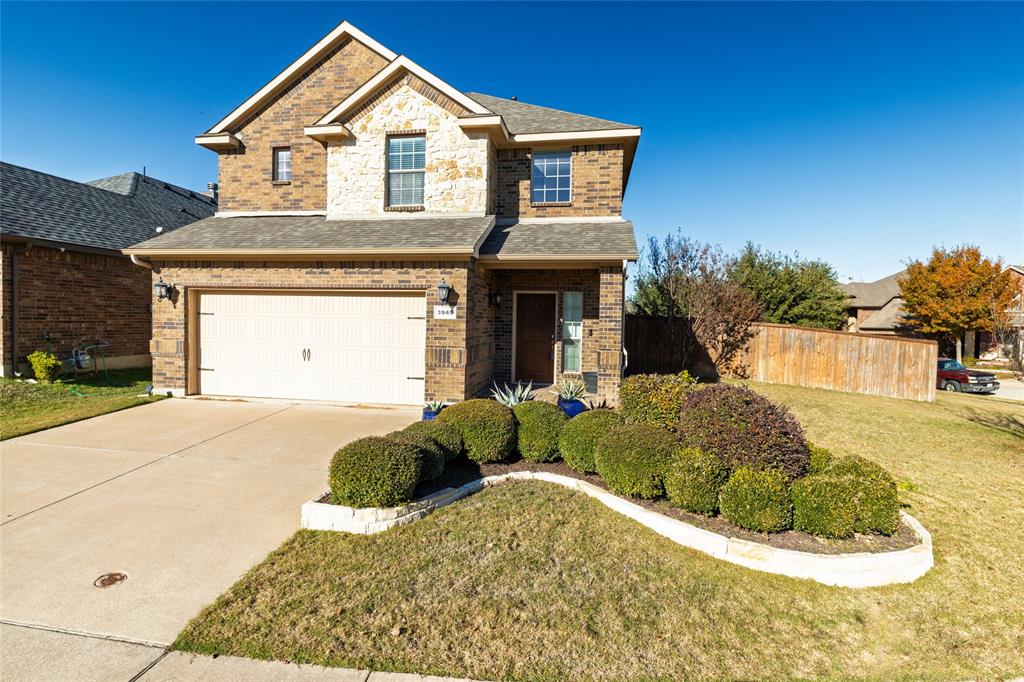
x,y
872,364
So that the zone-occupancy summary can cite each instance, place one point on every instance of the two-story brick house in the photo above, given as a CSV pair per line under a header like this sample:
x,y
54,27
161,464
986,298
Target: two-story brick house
x,y
385,238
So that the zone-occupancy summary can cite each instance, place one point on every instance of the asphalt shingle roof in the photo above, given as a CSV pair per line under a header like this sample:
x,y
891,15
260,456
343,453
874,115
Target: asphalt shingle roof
x,y
316,233
571,240
521,117
111,213
874,294
889,316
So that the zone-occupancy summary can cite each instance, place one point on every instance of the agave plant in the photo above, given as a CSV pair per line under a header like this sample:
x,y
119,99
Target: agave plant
x,y
572,389
434,405
510,397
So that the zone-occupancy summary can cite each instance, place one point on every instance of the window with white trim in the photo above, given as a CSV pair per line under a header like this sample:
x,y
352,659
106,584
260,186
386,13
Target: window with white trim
x,y
282,164
551,177
572,330
407,159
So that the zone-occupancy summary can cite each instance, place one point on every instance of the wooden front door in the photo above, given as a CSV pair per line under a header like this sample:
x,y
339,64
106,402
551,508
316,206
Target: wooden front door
x,y
535,338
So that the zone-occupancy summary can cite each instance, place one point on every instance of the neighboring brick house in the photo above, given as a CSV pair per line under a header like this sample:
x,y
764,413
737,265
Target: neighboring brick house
x,y
875,307
356,189
63,278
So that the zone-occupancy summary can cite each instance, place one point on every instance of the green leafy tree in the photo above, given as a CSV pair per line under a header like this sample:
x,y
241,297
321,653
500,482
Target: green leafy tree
x,y
956,291
791,290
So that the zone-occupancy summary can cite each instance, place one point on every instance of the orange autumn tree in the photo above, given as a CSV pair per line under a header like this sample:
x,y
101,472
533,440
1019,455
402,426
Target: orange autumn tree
x,y
954,292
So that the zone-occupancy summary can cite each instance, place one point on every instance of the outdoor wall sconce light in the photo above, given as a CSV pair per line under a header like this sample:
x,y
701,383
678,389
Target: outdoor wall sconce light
x,y
494,298
163,290
443,291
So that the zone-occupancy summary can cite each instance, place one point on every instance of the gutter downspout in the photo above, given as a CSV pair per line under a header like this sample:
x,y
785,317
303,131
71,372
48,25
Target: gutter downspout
x,y
14,306
138,261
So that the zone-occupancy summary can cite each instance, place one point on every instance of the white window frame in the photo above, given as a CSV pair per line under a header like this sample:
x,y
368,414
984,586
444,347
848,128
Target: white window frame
x,y
279,171
533,159
568,335
404,171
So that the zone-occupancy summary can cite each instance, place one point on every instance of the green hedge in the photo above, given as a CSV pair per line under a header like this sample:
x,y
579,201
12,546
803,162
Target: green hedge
x,y
374,472
446,435
539,425
432,457
632,459
757,499
580,435
819,460
488,428
824,505
654,398
694,480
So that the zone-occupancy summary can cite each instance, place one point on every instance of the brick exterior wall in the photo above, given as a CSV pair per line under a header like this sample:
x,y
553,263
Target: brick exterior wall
x,y
5,313
602,320
246,175
596,184
446,356
76,298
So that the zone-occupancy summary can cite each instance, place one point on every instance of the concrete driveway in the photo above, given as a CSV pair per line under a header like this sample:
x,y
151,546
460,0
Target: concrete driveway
x,y
181,495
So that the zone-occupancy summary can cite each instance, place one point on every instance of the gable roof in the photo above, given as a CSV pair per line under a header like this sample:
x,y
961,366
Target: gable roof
x,y
889,316
110,213
522,118
874,294
316,235
287,76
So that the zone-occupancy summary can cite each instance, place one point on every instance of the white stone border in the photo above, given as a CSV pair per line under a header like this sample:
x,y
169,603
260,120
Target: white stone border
x,y
861,569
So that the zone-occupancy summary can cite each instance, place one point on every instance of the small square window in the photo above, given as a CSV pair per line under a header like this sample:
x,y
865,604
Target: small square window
x,y
282,164
551,177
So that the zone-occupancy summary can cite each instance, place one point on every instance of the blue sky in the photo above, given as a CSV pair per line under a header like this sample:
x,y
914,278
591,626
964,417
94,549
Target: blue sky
x,y
862,134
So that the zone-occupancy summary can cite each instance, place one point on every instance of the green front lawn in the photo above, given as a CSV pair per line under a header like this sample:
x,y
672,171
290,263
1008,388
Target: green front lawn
x,y
25,407
531,581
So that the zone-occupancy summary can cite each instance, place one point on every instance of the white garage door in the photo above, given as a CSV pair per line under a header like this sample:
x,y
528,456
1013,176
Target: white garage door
x,y
360,348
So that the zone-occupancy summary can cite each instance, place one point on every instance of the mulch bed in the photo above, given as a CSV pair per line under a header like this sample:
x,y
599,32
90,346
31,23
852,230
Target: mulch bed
x,y
464,471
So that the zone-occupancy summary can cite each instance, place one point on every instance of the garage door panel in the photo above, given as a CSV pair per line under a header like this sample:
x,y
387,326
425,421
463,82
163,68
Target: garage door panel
x,y
344,347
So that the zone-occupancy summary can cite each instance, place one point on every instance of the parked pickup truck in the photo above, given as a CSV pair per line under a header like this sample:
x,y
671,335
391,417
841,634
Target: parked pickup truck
x,y
952,376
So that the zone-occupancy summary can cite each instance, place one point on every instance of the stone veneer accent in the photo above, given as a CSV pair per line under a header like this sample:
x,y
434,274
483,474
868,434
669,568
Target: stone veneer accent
x,y
596,184
76,298
245,175
455,177
857,570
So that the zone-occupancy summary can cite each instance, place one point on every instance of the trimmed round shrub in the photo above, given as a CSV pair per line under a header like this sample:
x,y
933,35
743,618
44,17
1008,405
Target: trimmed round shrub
x,y
632,459
757,499
539,425
873,491
432,457
45,366
580,435
694,480
824,506
488,428
819,459
374,472
744,429
446,435
654,399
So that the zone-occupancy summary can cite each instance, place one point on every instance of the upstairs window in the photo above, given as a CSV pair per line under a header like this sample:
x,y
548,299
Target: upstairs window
x,y
282,164
407,157
551,178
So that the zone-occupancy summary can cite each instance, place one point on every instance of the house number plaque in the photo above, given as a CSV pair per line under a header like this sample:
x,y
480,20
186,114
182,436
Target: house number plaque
x,y
444,312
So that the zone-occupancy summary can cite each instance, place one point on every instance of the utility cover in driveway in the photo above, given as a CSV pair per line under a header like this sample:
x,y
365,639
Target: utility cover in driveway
x,y
345,347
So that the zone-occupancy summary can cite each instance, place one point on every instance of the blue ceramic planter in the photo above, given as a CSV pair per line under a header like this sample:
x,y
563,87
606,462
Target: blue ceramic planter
x,y
571,407
428,415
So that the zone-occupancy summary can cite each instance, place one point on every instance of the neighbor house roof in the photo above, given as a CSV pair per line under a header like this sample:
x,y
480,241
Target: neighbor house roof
x,y
110,213
889,316
583,240
315,235
522,118
874,294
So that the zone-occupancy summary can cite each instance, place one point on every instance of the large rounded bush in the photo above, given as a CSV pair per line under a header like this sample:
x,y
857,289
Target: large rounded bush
x,y
694,480
632,459
824,506
446,435
744,429
432,457
654,399
757,499
580,435
488,428
539,425
873,491
374,472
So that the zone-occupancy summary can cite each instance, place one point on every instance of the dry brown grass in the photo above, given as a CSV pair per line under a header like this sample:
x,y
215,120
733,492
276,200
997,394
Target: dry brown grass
x,y
529,581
